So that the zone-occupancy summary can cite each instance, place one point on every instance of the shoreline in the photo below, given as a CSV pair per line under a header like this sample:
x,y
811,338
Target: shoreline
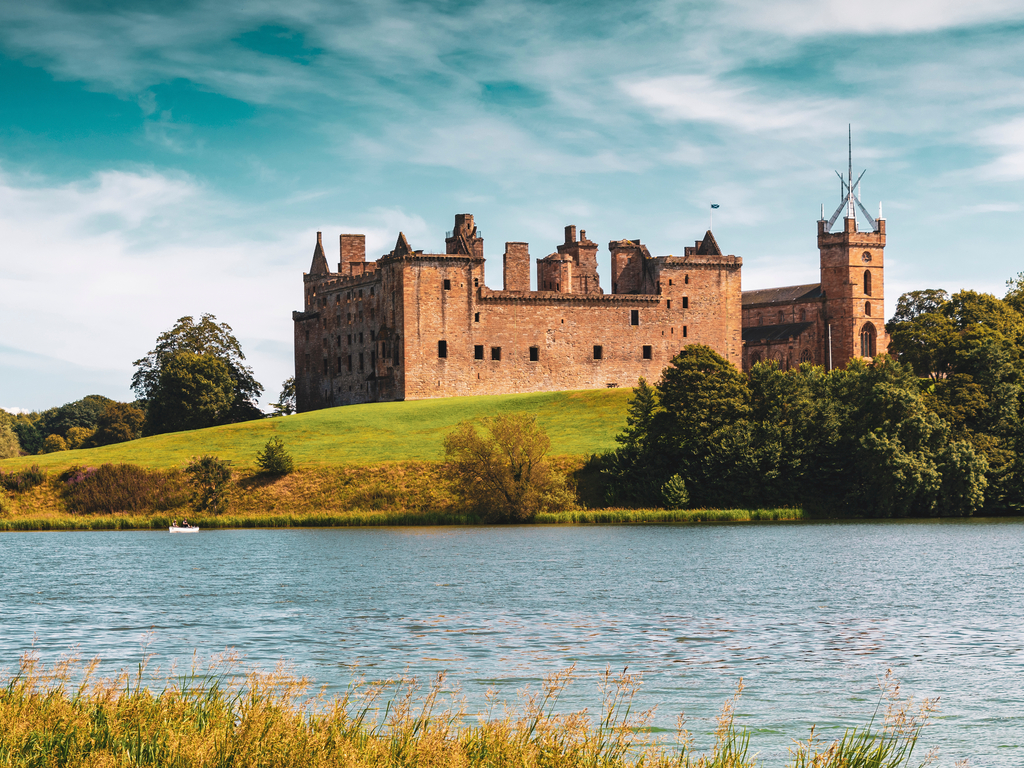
x,y
374,519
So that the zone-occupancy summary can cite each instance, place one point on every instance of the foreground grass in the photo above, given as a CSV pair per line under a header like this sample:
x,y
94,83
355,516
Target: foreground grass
x,y
578,423
203,719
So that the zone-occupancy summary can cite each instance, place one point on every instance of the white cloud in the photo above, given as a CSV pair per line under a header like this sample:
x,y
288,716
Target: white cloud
x,y
1008,139
702,98
868,17
92,271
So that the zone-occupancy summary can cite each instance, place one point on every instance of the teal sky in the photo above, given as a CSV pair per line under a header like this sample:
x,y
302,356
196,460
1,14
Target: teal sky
x,y
160,159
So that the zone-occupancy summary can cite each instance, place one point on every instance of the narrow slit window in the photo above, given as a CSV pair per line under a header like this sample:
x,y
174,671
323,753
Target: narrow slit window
x,y
598,352
534,354
447,285
668,303
476,317
686,302
647,352
442,348
684,331
867,282
634,317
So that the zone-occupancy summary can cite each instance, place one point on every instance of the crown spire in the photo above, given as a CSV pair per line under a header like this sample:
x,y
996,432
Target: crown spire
x,y
849,190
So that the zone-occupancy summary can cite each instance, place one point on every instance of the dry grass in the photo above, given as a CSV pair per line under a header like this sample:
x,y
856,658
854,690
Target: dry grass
x,y
214,718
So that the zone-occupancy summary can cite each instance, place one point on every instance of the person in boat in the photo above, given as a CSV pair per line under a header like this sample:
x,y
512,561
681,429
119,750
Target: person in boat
x,y
174,523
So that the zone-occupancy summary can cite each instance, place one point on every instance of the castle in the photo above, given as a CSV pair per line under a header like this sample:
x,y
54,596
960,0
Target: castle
x,y
415,325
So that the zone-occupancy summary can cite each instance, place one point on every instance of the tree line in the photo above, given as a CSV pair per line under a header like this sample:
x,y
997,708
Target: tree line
x,y
934,428
194,377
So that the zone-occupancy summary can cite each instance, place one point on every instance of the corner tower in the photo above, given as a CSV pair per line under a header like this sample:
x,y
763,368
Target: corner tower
x,y
852,278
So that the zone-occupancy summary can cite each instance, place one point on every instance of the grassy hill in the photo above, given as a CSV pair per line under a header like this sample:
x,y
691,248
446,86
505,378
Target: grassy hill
x,y
578,423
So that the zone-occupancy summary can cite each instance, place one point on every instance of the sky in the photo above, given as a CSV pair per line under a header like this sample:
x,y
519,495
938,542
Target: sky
x,y
169,158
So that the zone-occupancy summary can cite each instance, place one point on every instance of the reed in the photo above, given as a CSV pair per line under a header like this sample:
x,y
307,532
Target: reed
x,y
63,716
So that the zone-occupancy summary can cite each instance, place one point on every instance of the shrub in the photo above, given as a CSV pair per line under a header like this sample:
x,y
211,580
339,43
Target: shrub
x,y
23,480
674,493
119,488
505,472
53,444
209,477
274,459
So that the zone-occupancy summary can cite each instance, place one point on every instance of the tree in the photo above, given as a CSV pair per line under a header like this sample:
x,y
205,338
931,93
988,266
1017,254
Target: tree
x,y
210,478
192,392
77,437
28,435
197,341
504,471
285,406
915,303
119,423
700,394
53,444
274,459
635,469
82,413
9,445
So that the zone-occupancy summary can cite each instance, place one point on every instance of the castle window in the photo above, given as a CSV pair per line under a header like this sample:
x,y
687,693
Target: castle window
x,y
371,291
647,352
867,282
350,317
442,348
867,340
307,337
867,308
360,293
339,341
684,331
534,354
339,365
360,338
476,317
686,302
350,363
599,350
495,353
634,319
447,285
805,356
668,303
686,279
478,352
373,335
782,318
350,339
360,361
670,281
476,282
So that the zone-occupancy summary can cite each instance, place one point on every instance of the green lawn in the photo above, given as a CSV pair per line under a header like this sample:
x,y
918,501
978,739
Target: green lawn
x,y
581,422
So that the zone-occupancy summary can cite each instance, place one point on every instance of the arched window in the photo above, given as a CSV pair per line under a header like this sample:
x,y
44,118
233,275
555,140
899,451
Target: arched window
x,y
782,318
805,356
867,282
867,308
867,340
755,358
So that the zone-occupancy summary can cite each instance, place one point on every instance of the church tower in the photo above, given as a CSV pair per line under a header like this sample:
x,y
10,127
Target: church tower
x,y
852,265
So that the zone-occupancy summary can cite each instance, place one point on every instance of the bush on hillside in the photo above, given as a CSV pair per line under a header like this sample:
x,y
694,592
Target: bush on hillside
x,y
505,472
119,488
22,480
274,459
209,477
53,444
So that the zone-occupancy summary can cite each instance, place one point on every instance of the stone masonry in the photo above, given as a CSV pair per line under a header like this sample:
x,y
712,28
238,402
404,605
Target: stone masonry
x,y
414,325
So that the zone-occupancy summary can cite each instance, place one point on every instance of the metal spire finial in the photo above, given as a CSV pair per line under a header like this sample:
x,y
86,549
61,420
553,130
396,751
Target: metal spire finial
x,y
849,191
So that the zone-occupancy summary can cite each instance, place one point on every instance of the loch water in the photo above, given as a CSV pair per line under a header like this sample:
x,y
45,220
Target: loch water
x,y
810,616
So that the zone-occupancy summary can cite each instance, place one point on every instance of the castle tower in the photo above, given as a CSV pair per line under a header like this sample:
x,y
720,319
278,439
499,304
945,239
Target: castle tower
x,y
852,264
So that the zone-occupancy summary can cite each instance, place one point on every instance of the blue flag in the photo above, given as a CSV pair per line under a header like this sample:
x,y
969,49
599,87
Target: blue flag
x,y
714,205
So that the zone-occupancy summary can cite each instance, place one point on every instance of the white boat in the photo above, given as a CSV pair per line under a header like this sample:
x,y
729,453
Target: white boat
x,y
184,529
